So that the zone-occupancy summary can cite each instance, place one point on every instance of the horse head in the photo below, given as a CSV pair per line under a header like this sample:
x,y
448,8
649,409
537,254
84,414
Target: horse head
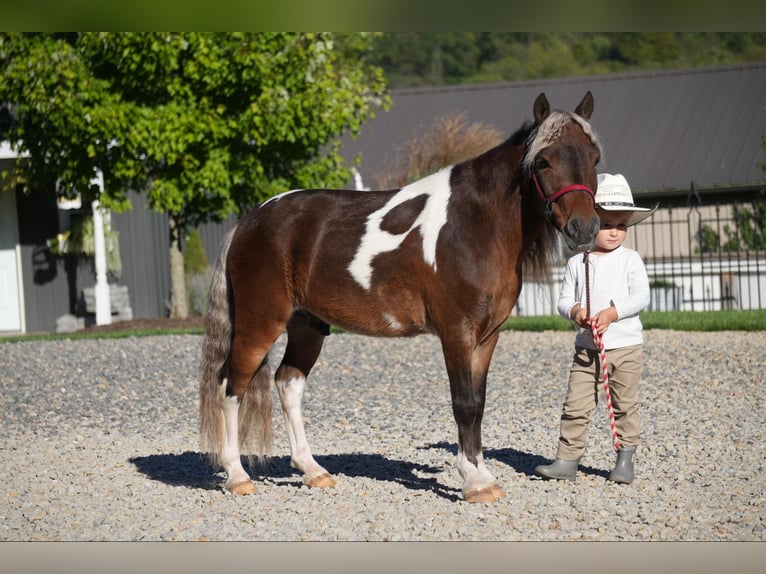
x,y
561,157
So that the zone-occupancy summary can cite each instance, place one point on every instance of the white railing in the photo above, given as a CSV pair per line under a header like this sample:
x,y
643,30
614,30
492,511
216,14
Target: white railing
x,y
708,284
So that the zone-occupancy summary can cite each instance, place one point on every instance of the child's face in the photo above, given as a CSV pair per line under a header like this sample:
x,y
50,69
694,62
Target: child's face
x,y
613,230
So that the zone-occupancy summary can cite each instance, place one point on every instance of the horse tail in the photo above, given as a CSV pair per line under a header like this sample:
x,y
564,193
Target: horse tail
x,y
256,405
215,351
255,415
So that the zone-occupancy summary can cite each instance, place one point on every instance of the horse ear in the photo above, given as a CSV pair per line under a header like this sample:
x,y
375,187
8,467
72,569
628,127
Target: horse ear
x,y
585,108
541,109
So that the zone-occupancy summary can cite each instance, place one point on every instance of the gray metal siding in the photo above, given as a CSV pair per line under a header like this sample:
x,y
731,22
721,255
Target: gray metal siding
x,y
144,253
212,235
144,248
662,130
51,285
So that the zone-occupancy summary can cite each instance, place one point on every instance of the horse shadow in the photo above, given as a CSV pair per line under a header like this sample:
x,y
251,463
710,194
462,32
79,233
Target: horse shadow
x,y
192,470
520,461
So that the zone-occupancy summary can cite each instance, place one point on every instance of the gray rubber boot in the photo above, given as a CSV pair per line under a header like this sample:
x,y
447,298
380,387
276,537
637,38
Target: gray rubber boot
x,y
623,468
559,469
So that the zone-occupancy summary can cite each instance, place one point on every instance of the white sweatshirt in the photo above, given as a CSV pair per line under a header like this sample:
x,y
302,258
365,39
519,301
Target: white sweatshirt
x,y
616,278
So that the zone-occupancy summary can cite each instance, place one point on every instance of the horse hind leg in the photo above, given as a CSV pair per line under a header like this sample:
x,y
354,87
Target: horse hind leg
x,y
237,479
305,335
247,407
238,412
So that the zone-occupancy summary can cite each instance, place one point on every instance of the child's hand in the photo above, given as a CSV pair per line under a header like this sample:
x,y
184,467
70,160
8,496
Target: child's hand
x,y
603,319
580,317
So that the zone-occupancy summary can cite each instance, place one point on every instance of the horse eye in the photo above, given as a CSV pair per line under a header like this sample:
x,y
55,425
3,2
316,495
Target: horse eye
x,y
540,163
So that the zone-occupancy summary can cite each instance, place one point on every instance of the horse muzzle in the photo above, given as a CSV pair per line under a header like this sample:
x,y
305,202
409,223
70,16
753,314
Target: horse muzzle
x,y
580,232
580,229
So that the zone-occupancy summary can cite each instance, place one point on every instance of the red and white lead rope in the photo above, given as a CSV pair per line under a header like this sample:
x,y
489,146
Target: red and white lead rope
x,y
599,342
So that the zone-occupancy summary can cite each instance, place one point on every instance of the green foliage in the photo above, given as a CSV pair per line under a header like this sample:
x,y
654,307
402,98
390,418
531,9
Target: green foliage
x,y
206,123
79,241
662,283
709,241
749,230
653,49
195,258
198,273
430,58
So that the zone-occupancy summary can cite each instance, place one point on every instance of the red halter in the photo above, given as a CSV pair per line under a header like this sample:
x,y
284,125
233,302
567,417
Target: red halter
x,y
549,201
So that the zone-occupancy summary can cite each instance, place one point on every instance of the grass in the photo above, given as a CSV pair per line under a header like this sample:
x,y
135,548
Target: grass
x,y
751,320
100,335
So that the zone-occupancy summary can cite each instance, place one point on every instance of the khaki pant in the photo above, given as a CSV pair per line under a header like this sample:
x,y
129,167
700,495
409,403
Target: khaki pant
x,y
624,366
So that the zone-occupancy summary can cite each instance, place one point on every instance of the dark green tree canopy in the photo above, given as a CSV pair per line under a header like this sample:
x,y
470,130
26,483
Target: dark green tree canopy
x,y
206,123
433,58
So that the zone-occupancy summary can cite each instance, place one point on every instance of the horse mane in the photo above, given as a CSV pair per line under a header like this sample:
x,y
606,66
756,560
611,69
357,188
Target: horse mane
x,y
542,254
550,131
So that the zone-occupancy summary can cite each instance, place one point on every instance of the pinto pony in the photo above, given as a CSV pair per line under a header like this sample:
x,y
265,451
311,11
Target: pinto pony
x,y
443,255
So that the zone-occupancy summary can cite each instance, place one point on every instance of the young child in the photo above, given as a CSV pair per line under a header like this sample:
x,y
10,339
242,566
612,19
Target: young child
x,y
619,290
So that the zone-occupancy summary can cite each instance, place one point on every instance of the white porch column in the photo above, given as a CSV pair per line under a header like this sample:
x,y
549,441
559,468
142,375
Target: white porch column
x,y
101,291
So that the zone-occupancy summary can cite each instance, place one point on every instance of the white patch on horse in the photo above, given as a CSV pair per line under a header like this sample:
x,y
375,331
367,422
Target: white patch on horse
x,y
430,221
230,458
474,476
291,394
392,322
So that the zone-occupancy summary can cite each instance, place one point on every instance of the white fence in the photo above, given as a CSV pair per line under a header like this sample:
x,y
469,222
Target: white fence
x,y
691,262
707,284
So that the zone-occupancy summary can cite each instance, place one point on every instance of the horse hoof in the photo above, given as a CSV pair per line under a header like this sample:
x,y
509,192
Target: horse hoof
x,y
323,480
497,491
242,488
486,494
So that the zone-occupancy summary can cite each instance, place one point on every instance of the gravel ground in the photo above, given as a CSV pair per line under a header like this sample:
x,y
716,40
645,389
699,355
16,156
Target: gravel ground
x,y
99,442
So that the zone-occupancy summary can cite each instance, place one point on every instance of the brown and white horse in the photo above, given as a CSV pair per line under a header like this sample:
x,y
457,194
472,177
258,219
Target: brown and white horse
x,y
443,255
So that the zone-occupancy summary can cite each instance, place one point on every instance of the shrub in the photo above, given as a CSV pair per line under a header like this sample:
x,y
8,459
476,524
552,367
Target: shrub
x,y
198,272
451,139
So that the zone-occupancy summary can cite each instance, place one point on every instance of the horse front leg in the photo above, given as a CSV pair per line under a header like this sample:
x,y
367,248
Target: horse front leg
x,y
305,335
467,367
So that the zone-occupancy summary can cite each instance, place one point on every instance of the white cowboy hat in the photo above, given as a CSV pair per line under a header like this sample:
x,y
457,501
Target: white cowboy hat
x,y
613,194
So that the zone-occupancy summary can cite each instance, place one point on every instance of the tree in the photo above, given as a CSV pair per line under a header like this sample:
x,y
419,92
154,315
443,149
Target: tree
x,y
431,58
206,124
749,230
749,222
